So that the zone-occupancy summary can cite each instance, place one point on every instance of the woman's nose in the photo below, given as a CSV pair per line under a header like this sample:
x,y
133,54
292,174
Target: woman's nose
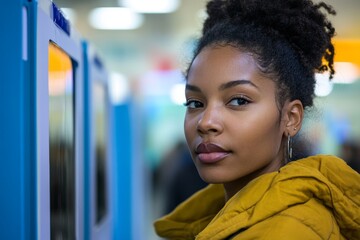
x,y
210,121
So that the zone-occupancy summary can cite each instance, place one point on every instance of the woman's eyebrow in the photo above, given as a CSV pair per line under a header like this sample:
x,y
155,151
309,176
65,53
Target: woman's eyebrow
x,y
223,86
235,83
193,88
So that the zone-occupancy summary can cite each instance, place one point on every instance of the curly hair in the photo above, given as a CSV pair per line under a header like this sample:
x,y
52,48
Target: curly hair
x,y
290,39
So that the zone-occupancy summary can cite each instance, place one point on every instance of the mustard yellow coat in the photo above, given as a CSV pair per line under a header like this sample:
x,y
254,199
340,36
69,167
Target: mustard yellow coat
x,y
309,199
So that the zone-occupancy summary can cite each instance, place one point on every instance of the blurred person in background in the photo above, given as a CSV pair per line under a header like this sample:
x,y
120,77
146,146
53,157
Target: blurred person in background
x,y
350,152
250,81
176,179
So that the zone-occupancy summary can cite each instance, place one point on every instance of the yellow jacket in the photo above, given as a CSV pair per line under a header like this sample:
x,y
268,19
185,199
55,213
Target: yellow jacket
x,y
312,198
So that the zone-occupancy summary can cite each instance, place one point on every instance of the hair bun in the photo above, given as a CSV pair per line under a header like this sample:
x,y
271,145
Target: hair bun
x,y
300,22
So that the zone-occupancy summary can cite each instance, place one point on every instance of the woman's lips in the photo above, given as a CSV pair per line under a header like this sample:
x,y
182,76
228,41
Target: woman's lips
x,y
210,152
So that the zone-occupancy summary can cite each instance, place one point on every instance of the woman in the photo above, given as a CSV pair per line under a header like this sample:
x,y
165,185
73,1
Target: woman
x,y
251,78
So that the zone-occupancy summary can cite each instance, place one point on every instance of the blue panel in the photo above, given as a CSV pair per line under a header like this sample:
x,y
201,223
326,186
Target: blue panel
x,y
60,20
122,138
87,140
98,63
17,150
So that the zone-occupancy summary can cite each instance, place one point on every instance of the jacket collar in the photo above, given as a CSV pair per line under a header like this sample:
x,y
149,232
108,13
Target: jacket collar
x,y
206,215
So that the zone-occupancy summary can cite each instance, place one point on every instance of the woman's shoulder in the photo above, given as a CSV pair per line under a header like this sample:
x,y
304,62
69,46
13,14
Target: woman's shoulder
x,y
310,220
313,215
315,196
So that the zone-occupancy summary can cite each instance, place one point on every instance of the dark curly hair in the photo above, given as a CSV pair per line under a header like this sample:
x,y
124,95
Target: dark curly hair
x,y
290,39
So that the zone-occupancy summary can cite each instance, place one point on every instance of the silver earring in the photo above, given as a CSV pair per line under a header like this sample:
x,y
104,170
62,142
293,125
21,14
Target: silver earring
x,y
289,147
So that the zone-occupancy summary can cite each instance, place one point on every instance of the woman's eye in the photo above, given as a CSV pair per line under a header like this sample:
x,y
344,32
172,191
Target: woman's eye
x,y
239,101
193,104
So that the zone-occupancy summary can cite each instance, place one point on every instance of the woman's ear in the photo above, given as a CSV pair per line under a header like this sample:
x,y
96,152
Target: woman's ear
x,y
293,116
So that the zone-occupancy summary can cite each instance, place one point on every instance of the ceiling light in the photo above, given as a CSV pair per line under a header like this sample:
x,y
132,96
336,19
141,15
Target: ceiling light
x,y
153,6
116,18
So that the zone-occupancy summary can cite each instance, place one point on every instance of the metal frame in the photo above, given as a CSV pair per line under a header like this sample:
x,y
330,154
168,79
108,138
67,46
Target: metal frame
x,y
95,73
48,30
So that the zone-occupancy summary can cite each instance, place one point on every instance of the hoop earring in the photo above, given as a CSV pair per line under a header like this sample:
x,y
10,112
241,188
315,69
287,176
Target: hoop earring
x,y
289,148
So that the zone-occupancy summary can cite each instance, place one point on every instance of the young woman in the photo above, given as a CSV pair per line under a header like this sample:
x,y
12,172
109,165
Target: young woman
x,y
248,85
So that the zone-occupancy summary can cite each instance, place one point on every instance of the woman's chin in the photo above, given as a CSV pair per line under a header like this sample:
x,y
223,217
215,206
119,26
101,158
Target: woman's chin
x,y
213,179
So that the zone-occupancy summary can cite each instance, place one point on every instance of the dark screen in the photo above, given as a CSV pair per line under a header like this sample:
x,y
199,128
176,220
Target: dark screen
x,y
62,144
100,119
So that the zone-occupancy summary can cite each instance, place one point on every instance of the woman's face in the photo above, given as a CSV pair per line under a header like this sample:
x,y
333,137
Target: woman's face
x,y
232,126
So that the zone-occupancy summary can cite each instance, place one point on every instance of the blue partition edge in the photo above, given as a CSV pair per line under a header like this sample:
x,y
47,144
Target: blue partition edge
x,y
18,137
87,222
123,155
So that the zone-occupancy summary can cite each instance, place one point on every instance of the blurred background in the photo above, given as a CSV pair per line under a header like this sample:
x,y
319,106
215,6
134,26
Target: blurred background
x,y
148,44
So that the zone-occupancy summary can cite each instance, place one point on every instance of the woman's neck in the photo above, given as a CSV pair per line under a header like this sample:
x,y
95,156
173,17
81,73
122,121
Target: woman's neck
x,y
231,188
